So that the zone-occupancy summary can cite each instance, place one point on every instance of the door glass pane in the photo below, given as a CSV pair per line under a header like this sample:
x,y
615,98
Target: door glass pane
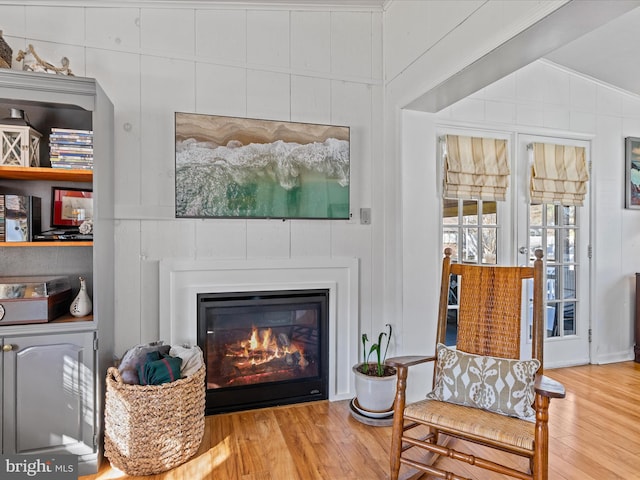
x,y
535,215
569,283
554,229
551,213
450,211
551,245
569,215
535,241
489,245
569,322
452,312
569,246
489,213
470,212
470,245
552,283
450,239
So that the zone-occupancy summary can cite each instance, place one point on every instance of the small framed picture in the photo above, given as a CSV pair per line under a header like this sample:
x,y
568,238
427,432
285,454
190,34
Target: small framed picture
x,y
70,206
632,172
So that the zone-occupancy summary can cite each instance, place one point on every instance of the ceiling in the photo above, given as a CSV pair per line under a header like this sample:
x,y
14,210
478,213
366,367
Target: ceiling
x,y
592,37
609,53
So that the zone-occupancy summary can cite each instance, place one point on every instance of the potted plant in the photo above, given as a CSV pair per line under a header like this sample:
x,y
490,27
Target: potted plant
x,y
375,381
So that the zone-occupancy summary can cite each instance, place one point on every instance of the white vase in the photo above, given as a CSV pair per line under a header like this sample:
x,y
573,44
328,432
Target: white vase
x,y
81,305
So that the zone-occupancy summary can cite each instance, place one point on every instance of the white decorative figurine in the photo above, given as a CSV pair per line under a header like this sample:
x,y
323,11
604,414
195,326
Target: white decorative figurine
x,y
81,305
86,227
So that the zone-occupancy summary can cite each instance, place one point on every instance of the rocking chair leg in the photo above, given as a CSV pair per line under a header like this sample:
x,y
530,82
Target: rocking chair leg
x,y
398,422
541,460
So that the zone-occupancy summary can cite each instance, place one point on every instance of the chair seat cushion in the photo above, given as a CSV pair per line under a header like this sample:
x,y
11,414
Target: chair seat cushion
x,y
496,384
509,431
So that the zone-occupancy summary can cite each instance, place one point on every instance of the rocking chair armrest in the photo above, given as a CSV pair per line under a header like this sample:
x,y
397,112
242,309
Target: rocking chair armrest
x,y
548,387
409,360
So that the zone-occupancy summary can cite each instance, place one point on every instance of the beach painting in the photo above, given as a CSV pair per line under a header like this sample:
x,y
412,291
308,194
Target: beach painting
x,y
232,167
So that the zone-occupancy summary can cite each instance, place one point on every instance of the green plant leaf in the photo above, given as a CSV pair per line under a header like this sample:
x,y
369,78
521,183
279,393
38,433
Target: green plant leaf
x,y
365,366
388,341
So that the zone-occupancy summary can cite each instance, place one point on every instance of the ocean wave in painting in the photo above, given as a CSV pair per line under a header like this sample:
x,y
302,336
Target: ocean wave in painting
x,y
230,180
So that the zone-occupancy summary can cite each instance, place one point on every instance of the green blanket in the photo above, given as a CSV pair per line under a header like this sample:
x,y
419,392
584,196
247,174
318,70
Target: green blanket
x,y
159,369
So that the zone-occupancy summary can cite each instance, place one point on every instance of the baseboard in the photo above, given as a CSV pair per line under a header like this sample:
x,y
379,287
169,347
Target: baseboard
x,y
88,464
615,357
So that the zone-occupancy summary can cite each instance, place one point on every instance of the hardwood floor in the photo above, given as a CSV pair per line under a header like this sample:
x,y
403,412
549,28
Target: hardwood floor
x,y
594,435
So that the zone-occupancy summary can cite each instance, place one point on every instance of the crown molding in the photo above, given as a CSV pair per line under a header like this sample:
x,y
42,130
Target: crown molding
x,y
361,5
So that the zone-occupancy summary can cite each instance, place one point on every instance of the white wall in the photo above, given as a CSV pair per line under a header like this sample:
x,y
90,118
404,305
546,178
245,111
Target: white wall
x,y
315,65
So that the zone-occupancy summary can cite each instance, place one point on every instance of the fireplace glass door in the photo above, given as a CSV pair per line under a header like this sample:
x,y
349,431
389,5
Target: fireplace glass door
x,y
263,348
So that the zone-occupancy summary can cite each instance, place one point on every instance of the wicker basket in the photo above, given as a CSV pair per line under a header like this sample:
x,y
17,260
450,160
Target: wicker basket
x,y
153,428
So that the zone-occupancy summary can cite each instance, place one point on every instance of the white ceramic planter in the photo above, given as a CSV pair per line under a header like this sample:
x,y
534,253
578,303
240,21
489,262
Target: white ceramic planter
x,y
374,394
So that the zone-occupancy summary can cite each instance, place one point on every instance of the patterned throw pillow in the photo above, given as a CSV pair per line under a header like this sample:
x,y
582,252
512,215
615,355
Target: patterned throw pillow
x,y
496,384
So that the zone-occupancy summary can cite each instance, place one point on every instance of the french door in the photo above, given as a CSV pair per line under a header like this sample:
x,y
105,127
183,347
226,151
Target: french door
x,y
562,232
509,232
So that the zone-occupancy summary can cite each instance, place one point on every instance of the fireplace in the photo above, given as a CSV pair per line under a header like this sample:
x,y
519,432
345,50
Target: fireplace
x,y
264,348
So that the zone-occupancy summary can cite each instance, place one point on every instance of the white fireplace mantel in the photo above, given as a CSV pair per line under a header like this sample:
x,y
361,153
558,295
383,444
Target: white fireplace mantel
x,y
181,279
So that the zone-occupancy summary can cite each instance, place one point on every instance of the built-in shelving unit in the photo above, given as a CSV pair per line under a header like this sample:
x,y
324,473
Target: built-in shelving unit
x,y
32,354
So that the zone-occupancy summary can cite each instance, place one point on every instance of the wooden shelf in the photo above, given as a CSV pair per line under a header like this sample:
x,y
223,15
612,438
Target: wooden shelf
x,y
68,318
43,173
54,243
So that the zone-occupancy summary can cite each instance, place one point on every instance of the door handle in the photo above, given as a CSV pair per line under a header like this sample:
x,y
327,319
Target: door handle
x,y
7,347
522,250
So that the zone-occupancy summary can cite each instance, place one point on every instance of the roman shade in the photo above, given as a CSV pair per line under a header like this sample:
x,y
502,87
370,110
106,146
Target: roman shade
x,y
559,174
476,168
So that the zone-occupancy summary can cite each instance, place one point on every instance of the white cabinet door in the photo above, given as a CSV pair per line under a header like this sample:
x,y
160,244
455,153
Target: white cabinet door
x,y
49,394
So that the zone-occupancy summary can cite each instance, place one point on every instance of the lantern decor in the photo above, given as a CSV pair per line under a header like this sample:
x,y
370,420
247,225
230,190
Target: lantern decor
x,y
19,141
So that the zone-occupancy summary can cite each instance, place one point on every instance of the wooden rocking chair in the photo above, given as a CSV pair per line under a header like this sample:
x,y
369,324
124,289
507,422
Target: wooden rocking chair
x,y
482,386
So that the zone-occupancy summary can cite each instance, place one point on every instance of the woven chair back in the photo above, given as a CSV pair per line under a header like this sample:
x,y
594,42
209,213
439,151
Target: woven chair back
x,y
489,314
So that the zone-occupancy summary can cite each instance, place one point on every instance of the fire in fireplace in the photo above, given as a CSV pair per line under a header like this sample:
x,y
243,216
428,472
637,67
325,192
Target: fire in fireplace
x,y
263,348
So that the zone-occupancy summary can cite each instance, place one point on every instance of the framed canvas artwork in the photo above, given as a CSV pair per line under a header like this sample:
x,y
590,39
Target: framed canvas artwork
x,y
632,172
232,167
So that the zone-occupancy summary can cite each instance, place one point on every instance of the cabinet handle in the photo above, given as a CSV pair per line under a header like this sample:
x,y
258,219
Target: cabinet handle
x,y
7,347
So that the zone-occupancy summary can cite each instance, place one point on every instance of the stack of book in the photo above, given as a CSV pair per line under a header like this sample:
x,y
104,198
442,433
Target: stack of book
x,y
2,215
71,148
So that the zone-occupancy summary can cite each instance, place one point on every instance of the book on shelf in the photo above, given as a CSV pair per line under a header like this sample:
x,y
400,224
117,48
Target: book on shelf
x,y
71,131
21,217
71,157
1,218
71,151
71,166
80,139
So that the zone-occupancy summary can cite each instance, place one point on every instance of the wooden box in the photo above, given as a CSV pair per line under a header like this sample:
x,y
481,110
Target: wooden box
x,y
33,299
